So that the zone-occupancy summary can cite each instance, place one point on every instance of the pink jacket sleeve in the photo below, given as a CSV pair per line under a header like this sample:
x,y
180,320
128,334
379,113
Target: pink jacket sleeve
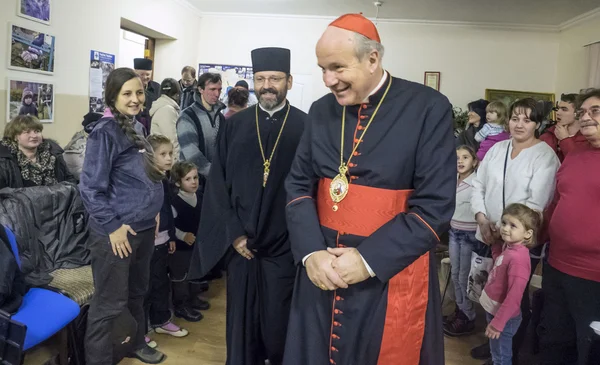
x,y
518,276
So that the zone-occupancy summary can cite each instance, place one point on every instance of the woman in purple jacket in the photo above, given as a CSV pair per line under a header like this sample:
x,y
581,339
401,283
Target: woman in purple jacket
x,y
121,190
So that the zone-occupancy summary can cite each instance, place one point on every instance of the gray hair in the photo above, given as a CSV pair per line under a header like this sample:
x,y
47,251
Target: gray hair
x,y
364,46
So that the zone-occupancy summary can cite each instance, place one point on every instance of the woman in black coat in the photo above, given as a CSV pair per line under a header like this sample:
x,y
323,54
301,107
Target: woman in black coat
x,y
27,159
477,118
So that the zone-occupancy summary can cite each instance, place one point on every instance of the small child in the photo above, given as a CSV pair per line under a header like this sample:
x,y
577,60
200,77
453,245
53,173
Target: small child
x,y
502,295
187,205
28,106
159,313
494,130
462,243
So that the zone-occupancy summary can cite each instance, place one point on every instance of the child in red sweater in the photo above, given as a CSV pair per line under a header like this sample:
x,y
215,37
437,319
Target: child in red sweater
x,y
501,297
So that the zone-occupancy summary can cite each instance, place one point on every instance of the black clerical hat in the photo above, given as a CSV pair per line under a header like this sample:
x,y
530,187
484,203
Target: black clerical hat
x,y
142,64
271,59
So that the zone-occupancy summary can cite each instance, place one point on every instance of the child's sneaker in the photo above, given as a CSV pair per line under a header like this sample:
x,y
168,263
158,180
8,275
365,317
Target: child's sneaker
x,y
460,326
150,343
171,329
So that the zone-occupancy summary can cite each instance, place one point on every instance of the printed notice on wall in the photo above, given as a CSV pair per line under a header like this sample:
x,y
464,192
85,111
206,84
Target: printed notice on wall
x,y
101,64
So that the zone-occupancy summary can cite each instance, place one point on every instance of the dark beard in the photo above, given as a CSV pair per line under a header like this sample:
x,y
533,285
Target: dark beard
x,y
270,105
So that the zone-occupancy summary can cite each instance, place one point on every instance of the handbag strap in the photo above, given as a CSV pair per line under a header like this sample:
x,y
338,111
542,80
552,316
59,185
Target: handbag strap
x,y
504,177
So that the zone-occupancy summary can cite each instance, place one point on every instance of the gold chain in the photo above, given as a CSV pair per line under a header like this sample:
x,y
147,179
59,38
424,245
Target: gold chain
x,y
267,163
344,166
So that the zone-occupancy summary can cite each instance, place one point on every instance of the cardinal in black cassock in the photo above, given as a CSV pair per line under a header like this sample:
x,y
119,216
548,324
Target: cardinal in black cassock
x,y
243,215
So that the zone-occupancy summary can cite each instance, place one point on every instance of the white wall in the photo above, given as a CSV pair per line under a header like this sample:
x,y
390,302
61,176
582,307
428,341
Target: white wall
x,y
131,46
572,58
470,59
80,26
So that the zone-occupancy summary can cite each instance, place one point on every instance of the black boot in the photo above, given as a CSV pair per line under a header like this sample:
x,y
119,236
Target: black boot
x,y
481,352
148,355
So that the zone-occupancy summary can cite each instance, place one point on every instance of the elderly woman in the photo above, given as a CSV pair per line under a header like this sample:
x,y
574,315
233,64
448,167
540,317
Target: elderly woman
x,y
27,159
519,170
571,282
477,119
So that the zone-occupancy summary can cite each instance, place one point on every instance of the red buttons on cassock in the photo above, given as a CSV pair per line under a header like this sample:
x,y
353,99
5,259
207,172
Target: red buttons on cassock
x,y
352,164
356,140
353,177
337,324
360,127
336,337
331,361
356,154
363,117
337,311
338,298
334,349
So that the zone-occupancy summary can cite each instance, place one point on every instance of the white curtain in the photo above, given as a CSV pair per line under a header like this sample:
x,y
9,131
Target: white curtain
x,y
593,51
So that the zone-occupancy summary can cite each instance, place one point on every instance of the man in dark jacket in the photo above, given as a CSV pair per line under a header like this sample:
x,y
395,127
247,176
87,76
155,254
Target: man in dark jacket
x,y
188,86
143,67
27,159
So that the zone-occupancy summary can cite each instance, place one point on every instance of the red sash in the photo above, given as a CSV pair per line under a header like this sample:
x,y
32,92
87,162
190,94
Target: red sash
x,y
362,212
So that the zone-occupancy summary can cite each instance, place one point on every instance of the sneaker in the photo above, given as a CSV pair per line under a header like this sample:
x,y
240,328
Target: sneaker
x,y
150,343
189,314
148,355
171,329
199,304
481,352
450,318
460,326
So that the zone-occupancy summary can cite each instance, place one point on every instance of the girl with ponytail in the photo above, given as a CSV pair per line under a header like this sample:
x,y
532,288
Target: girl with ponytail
x,y
122,191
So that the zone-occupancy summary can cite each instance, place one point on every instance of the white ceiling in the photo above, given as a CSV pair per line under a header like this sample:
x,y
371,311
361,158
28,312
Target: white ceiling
x,y
522,12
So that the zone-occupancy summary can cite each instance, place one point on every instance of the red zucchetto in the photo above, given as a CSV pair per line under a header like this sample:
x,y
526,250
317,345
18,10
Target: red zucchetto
x,y
359,24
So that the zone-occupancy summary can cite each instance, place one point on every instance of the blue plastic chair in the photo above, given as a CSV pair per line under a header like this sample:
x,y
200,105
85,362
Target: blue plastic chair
x,y
43,311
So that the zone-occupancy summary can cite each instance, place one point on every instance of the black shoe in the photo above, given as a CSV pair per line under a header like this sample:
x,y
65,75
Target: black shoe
x,y
148,355
450,318
481,352
189,314
199,304
461,326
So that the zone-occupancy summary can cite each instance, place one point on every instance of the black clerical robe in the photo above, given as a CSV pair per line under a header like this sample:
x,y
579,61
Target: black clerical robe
x,y
152,93
400,200
259,291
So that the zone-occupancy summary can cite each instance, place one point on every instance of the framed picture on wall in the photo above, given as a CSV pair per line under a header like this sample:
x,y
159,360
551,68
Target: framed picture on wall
x,y
31,50
26,97
432,79
510,96
36,10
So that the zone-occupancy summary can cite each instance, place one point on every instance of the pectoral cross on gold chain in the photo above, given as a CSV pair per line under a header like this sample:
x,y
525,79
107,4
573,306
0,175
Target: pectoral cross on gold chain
x,y
267,162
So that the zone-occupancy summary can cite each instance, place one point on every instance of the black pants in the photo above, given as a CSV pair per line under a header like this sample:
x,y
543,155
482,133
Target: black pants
x,y
119,284
259,294
570,305
184,291
157,301
519,337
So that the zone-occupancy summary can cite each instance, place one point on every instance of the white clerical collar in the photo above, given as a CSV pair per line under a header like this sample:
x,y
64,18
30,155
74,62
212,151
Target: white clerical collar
x,y
272,112
381,82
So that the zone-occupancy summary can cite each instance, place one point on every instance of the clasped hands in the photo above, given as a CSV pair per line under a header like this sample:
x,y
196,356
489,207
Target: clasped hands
x,y
336,268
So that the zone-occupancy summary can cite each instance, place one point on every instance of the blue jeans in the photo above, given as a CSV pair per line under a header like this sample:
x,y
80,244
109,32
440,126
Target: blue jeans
x,y
462,244
501,348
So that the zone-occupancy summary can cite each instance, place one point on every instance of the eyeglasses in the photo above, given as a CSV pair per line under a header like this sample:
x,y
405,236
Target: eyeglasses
x,y
272,79
594,112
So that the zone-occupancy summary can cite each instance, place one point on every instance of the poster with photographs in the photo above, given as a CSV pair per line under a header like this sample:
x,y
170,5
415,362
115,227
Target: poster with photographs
x,y
230,74
30,98
36,10
101,64
31,50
